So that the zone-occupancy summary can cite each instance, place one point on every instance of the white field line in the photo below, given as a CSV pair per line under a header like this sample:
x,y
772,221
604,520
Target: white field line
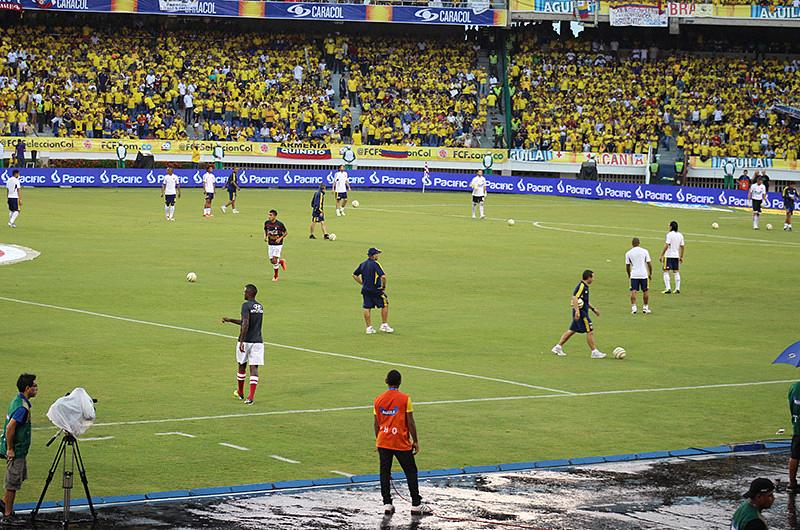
x,y
288,347
97,439
238,447
442,402
176,434
342,473
283,459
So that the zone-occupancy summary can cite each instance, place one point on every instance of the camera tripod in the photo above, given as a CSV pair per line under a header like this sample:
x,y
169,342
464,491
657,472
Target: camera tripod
x,y
68,474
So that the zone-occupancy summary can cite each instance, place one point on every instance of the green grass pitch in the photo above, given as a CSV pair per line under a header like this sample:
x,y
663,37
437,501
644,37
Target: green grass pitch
x,y
467,297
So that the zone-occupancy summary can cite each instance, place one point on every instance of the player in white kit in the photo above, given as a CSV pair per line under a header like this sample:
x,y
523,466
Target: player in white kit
x,y
640,269
14,189
757,194
341,185
208,189
672,257
478,185
170,189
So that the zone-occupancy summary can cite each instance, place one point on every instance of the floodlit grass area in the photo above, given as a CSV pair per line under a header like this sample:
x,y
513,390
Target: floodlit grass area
x,y
468,298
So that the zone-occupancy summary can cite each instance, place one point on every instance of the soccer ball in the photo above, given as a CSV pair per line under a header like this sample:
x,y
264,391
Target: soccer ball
x,y
355,204
191,277
332,237
511,222
769,226
580,303
619,353
714,225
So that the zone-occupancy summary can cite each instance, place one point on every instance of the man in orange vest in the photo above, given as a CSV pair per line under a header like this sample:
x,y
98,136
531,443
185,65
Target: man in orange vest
x,y
396,437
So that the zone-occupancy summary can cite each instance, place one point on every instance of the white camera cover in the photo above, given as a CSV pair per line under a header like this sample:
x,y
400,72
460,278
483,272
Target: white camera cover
x,y
73,413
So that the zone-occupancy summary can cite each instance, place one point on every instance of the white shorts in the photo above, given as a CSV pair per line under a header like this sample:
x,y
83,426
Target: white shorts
x,y
253,354
274,251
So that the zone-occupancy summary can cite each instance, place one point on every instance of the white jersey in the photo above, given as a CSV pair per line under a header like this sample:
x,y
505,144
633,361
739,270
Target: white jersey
x,y
170,184
340,182
13,188
638,258
675,242
758,192
478,186
208,182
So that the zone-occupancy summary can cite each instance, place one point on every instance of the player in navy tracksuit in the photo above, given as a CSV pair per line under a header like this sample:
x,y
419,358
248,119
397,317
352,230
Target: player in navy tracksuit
x,y
318,212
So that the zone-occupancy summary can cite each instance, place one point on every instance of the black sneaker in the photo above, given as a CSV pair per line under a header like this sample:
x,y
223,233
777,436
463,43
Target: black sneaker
x,y
666,291
312,236
248,401
327,236
793,488
677,291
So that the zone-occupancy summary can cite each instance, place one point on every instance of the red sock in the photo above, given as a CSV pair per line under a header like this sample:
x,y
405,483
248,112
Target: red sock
x,y
274,273
253,385
240,376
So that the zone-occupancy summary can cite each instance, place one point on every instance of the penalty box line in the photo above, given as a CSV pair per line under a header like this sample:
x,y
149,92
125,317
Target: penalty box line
x,y
289,347
441,402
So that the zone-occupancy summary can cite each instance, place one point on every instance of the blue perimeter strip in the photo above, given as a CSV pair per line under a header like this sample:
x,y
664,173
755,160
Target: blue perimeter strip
x,y
338,482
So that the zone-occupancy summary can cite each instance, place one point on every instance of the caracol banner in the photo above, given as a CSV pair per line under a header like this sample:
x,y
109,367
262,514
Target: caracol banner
x,y
392,179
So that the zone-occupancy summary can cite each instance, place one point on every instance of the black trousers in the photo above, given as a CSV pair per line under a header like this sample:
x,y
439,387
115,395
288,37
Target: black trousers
x,y
409,465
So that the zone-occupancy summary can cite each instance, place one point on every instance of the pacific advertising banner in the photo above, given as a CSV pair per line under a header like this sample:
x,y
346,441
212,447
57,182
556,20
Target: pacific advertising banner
x,y
392,179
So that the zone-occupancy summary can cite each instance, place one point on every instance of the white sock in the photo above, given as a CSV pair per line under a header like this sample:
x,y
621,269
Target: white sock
x,y
275,265
595,351
481,209
473,209
755,221
166,211
666,280
13,217
10,214
172,211
677,281
634,308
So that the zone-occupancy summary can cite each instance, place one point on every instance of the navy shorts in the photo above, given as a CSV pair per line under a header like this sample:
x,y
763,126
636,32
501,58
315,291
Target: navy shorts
x,y
789,205
639,284
477,199
375,300
169,200
672,264
341,196
757,205
582,325
13,205
209,196
795,447
317,216
231,193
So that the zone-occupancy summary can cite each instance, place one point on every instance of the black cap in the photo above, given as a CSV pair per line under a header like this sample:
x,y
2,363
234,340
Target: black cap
x,y
759,486
371,252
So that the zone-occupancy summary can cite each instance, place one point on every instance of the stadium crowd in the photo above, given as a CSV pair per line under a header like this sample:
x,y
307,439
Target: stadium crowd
x,y
580,95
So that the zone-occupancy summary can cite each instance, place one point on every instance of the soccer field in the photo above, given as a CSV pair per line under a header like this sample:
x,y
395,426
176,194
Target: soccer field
x,y
476,306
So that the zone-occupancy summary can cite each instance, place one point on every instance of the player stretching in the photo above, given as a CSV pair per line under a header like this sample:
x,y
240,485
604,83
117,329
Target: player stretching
x,y
170,188
233,188
581,323
672,257
14,198
790,198
640,270
250,346
318,212
341,185
274,234
478,185
757,193
208,188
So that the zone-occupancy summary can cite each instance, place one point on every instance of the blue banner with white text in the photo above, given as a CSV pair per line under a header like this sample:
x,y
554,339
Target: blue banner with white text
x,y
310,11
393,179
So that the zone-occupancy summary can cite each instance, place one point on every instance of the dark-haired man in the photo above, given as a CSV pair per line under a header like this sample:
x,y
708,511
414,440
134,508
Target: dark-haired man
x,y
581,323
759,497
370,276
15,440
14,189
250,345
396,437
274,233
318,212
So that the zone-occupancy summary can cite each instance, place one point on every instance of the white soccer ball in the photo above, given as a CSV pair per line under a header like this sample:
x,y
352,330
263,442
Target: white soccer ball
x,y
580,303
511,222
714,225
769,226
355,204
332,237
191,277
619,352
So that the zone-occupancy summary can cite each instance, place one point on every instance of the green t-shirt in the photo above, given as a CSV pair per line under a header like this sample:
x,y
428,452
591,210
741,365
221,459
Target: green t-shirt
x,y
747,517
794,407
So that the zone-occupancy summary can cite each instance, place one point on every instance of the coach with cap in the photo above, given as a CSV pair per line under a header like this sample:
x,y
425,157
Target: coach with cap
x,y
759,497
370,276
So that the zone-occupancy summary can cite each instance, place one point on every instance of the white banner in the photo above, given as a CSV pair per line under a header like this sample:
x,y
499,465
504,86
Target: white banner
x,y
637,15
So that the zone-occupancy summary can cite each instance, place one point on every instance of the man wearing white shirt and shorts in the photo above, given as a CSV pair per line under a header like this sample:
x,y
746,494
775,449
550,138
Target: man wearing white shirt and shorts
x,y
640,269
341,185
478,185
170,188
672,256
14,189
757,194
208,189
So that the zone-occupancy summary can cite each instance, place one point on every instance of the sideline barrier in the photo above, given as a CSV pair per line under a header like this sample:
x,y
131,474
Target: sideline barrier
x,y
393,179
